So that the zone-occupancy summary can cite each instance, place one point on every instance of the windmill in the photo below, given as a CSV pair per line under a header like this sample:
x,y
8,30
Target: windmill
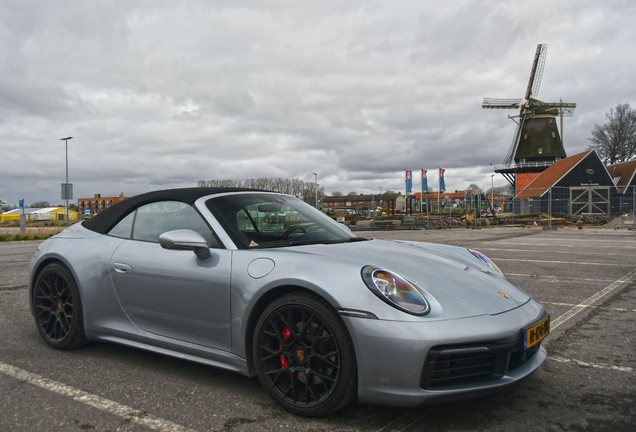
x,y
536,143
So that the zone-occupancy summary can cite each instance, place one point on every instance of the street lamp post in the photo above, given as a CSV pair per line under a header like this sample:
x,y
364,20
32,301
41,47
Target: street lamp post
x,y
66,184
492,195
316,189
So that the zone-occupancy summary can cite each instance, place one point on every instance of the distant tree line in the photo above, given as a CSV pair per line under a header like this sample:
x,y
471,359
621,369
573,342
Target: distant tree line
x,y
303,190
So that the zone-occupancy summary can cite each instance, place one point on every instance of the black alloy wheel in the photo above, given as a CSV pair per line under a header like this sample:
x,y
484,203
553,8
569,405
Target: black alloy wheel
x,y
57,307
304,355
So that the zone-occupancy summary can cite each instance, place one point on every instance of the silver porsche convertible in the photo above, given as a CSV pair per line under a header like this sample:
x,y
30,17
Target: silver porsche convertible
x,y
263,284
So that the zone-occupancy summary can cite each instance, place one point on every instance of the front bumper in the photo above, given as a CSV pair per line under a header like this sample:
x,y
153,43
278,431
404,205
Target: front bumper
x,y
392,356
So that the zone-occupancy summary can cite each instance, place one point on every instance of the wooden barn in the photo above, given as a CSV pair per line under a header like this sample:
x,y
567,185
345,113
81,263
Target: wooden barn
x,y
579,185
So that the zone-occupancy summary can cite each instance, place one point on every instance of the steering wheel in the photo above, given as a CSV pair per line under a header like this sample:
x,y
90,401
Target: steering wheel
x,y
291,229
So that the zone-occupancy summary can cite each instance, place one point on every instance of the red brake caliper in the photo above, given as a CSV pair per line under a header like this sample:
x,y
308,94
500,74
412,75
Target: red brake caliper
x,y
284,363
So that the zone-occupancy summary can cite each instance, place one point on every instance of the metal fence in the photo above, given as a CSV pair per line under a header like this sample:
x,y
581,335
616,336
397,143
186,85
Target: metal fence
x,y
581,203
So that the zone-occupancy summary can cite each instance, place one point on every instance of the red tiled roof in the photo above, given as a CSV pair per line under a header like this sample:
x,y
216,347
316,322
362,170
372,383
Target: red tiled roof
x,y
626,173
551,176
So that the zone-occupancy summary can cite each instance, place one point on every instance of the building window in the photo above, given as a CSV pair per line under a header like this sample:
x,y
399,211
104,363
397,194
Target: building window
x,y
540,150
553,135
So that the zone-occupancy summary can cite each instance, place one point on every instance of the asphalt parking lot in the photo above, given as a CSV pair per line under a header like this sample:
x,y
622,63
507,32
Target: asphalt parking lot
x,y
585,278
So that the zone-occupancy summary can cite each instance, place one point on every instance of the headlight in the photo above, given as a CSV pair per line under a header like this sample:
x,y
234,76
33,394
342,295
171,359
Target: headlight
x,y
395,290
483,258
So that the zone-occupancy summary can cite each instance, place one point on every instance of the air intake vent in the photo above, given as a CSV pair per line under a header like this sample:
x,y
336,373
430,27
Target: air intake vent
x,y
451,366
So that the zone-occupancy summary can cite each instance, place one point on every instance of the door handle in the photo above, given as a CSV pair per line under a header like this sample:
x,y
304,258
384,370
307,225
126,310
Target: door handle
x,y
122,268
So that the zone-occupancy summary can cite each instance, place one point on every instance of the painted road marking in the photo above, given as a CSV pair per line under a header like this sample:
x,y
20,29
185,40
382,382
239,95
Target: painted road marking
x,y
594,365
581,306
560,245
12,287
594,307
552,251
557,278
560,262
401,420
123,411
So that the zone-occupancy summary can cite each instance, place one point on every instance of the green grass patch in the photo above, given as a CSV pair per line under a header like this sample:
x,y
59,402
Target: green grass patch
x,y
23,237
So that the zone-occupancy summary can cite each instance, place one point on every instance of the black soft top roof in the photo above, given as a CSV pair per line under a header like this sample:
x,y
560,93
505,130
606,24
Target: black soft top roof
x,y
105,220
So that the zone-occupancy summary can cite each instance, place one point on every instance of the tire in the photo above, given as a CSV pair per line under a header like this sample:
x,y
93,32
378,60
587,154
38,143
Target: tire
x,y
58,309
304,356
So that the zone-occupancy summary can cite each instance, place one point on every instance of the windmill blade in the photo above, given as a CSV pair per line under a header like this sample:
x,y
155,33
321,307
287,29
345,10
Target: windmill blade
x,y
495,103
537,71
509,160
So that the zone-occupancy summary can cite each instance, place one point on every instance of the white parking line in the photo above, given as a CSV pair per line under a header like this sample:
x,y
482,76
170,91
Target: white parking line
x,y
551,251
557,278
594,365
401,420
594,307
578,308
560,245
561,262
98,402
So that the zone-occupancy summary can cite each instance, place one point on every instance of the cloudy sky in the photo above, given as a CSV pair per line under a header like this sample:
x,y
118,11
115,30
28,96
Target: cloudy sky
x,y
161,94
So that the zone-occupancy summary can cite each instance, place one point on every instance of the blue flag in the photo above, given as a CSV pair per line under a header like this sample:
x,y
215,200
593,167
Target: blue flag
x,y
409,182
21,203
424,182
442,184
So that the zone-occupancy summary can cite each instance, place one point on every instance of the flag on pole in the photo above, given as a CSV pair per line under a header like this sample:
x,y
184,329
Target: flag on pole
x,y
442,184
409,182
2,201
21,203
424,182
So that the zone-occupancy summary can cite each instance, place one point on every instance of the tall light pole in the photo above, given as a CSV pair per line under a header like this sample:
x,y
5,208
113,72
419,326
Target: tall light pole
x,y
66,184
381,194
316,189
492,195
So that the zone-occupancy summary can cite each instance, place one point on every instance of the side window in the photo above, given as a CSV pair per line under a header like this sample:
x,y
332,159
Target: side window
x,y
124,228
154,219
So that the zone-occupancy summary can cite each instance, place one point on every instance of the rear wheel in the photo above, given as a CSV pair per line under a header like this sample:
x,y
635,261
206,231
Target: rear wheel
x,y
58,310
304,355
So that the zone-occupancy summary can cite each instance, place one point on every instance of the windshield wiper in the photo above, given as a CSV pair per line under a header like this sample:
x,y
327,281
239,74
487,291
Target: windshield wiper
x,y
285,243
356,239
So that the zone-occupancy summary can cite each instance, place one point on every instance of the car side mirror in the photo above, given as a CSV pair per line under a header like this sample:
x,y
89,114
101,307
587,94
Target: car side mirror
x,y
185,239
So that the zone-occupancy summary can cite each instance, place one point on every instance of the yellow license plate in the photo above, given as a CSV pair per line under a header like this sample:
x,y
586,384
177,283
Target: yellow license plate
x,y
536,334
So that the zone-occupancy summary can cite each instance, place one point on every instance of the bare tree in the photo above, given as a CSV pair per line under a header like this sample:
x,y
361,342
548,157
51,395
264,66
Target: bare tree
x,y
336,193
615,141
305,191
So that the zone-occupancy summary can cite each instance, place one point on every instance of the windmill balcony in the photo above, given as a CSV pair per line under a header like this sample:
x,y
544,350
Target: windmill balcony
x,y
528,164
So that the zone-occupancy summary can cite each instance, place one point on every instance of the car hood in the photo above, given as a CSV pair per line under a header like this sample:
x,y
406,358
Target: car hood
x,y
439,269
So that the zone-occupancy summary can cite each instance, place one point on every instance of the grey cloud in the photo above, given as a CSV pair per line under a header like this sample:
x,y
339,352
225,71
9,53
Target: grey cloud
x,y
162,94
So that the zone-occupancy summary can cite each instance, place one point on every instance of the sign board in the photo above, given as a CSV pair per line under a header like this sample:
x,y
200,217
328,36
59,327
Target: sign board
x,y
67,191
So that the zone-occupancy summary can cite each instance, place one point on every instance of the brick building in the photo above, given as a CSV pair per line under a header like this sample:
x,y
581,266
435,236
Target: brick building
x,y
97,203
360,202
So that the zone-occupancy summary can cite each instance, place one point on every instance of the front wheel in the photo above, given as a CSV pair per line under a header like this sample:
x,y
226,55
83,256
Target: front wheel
x,y
304,355
57,307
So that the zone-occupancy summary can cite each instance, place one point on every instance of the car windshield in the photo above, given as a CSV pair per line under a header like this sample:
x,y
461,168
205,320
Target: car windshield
x,y
261,220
